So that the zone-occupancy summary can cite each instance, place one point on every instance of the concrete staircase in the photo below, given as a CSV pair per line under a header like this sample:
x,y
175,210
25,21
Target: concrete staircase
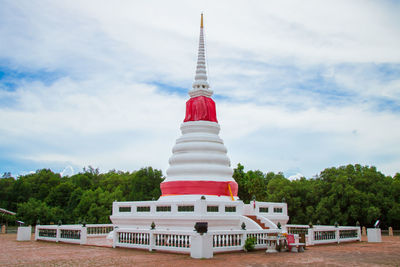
x,y
254,218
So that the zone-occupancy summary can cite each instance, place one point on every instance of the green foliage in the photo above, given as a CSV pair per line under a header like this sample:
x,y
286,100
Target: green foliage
x,y
346,194
86,196
250,244
32,210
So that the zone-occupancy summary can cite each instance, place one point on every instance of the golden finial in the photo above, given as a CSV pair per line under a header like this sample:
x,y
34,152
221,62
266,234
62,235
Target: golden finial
x,y
201,23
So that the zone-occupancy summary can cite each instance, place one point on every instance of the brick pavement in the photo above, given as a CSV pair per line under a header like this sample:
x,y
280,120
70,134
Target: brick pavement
x,y
39,253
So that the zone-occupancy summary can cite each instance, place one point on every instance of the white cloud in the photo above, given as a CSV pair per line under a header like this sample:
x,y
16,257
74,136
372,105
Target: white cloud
x,y
269,61
297,176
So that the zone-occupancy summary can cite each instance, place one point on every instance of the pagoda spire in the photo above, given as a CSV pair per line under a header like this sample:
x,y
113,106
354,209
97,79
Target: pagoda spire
x,y
200,85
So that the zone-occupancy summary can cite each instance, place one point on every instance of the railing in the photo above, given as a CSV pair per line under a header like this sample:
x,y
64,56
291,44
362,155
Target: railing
x,y
324,236
99,229
172,241
343,234
65,233
132,239
70,234
297,229
228,240
234,240
47,233
321,234
178,241
261,237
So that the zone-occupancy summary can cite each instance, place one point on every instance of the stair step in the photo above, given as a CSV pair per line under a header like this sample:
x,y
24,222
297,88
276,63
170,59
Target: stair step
x,y
254,218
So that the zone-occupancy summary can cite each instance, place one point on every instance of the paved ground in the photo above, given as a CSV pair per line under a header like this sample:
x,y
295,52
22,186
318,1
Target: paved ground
x,y
31,253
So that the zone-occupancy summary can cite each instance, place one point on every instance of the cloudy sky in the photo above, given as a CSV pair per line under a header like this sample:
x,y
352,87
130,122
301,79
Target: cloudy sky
x,y
299,85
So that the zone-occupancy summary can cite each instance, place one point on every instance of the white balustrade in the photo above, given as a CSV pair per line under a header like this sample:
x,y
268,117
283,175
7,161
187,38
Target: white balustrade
x,y
99,229
234,240
65,233
180,241
325,234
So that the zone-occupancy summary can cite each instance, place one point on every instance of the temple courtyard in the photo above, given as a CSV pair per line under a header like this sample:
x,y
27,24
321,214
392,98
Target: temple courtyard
x,y
41,253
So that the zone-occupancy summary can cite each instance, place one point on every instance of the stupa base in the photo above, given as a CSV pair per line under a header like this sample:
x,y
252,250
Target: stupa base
x,y
174,214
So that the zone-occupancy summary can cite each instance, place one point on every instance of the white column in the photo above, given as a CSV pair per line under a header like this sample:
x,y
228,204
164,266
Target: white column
x,y
83,235
24,233
374,235
243,238
58,234
115,237
36,232
201,246
311,236
152,242
337,233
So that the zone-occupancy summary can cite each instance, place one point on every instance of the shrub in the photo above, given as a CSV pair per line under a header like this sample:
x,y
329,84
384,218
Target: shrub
x,y
250,243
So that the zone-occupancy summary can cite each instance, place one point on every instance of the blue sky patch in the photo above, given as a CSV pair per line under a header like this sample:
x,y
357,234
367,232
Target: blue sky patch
x,y
10,78
170,89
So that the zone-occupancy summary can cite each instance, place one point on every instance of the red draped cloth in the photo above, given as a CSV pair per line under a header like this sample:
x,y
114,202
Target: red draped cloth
x,y
200,108
215,188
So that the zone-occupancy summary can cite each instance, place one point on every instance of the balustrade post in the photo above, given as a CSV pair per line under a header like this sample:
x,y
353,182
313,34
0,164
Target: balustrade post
x,y
243,238
58,233
36,232
83,240
152,242
115,237
311,236
337,235
201,246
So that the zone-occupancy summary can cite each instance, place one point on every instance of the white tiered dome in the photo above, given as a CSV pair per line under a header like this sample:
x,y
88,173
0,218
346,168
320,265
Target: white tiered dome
x,y
199,154
199,164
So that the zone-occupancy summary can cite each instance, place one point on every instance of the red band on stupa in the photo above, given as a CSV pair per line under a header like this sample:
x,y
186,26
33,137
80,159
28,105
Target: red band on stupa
x,y
200,108
199,188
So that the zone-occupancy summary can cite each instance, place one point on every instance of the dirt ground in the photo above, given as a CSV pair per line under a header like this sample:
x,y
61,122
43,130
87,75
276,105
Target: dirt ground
x,y
40,253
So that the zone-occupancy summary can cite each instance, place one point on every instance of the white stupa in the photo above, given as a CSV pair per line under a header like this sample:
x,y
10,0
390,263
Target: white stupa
x,y
199,186
199,165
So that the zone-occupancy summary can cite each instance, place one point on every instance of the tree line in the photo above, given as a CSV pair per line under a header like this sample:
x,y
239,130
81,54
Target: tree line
x,y
83,197
346,195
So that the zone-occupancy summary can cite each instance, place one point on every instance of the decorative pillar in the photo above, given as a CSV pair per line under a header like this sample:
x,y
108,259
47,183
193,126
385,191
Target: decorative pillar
x,y
152,241
337,233
390,231
83,235
115,237
36,232
201,246
374,235
24,233
310,236
58,233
